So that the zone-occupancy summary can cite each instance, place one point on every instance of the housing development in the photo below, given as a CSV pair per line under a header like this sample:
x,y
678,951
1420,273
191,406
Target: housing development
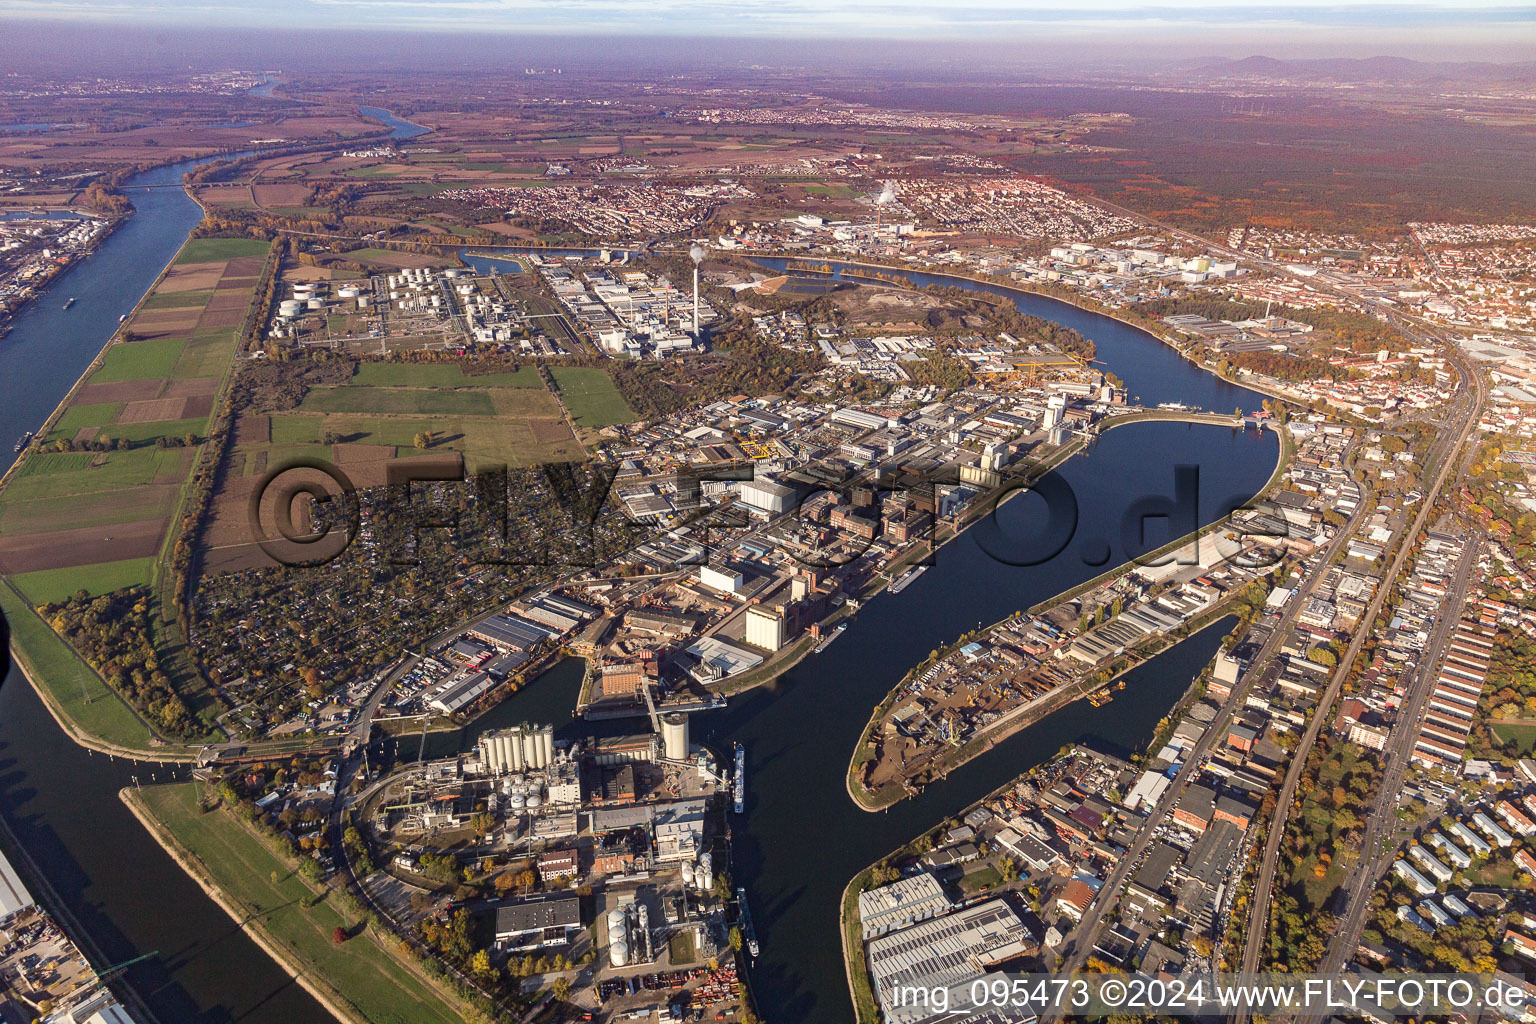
x,y
671,537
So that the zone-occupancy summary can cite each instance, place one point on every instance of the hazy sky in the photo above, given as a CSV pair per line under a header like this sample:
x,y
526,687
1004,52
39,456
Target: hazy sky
x,y
981,19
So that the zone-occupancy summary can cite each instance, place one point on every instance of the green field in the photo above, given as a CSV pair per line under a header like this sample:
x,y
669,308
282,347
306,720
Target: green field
x,y
52,475
591,396
294,428
68,511
446,375
78,692
205,356
244,868
139,360
77,417
178,300
1521,734
52,585
399,401
206,250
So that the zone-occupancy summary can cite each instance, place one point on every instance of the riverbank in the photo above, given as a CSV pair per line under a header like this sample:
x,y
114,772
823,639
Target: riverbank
x,y
1025,715
1066,298
358,981
1028,714
100,731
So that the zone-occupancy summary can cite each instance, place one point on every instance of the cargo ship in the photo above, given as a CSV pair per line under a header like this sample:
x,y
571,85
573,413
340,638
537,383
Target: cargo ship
x,y
740,786
744,921
826,641
906,578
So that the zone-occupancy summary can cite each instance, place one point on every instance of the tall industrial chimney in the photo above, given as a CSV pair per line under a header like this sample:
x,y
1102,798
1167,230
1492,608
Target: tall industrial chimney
x,y
695,300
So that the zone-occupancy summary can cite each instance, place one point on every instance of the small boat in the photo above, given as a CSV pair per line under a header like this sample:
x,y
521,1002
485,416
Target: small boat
x,y
123,319
23,441
69,302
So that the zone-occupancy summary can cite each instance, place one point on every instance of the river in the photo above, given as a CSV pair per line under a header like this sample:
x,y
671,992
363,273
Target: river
x,y
801,839
60,800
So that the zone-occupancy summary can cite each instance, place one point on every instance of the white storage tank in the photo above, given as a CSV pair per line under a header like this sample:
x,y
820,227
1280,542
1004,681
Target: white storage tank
x,y
349,292
618,953
315,304
688,876
674,736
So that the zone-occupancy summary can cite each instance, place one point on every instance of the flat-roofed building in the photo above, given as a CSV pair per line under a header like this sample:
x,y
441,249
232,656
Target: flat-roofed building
x,y
944,953
900,904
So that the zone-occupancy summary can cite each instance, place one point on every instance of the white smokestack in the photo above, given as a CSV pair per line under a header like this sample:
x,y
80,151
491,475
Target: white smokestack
x,y
697,255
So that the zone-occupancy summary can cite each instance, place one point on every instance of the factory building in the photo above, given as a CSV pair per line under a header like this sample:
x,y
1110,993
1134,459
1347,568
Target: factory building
x,y
765,627
539,922
944,953
766,495
900,904
503,751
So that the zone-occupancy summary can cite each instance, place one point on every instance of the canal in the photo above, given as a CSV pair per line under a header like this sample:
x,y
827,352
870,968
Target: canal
x,y
802,837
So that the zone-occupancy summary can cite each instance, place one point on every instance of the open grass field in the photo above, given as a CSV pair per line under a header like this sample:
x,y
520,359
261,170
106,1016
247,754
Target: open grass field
x,y
256,879
206,250
440,375
49,585
399,401
77,417
591,396
78,693
68,511
139,360
76,473
177,300
1521,734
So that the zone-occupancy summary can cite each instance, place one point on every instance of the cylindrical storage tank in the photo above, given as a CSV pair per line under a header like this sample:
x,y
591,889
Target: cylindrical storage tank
x,y
362,302
452,272
466,289
437,300
315,304
534,800
515,752
394,280
705,879
349,292
674,736
688,875
547,746
618,953
516,800
394,293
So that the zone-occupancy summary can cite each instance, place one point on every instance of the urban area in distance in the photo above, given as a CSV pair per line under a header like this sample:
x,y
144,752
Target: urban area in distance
x,y
859,514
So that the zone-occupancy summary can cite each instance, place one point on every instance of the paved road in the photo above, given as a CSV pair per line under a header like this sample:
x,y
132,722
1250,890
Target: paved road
x,y
1081,947
1442,454
1380,839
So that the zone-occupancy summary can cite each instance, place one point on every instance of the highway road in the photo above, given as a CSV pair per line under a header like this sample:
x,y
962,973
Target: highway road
x,y
1443,455
1380,840
1077,952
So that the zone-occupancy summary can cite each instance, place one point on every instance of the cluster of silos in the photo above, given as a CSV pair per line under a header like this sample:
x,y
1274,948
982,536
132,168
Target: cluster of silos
x,y
513,750
674,736
618,937
700,876
629,941
522,793
411,289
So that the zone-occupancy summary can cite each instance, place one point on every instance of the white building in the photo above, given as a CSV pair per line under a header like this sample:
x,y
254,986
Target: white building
x,y
765,627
